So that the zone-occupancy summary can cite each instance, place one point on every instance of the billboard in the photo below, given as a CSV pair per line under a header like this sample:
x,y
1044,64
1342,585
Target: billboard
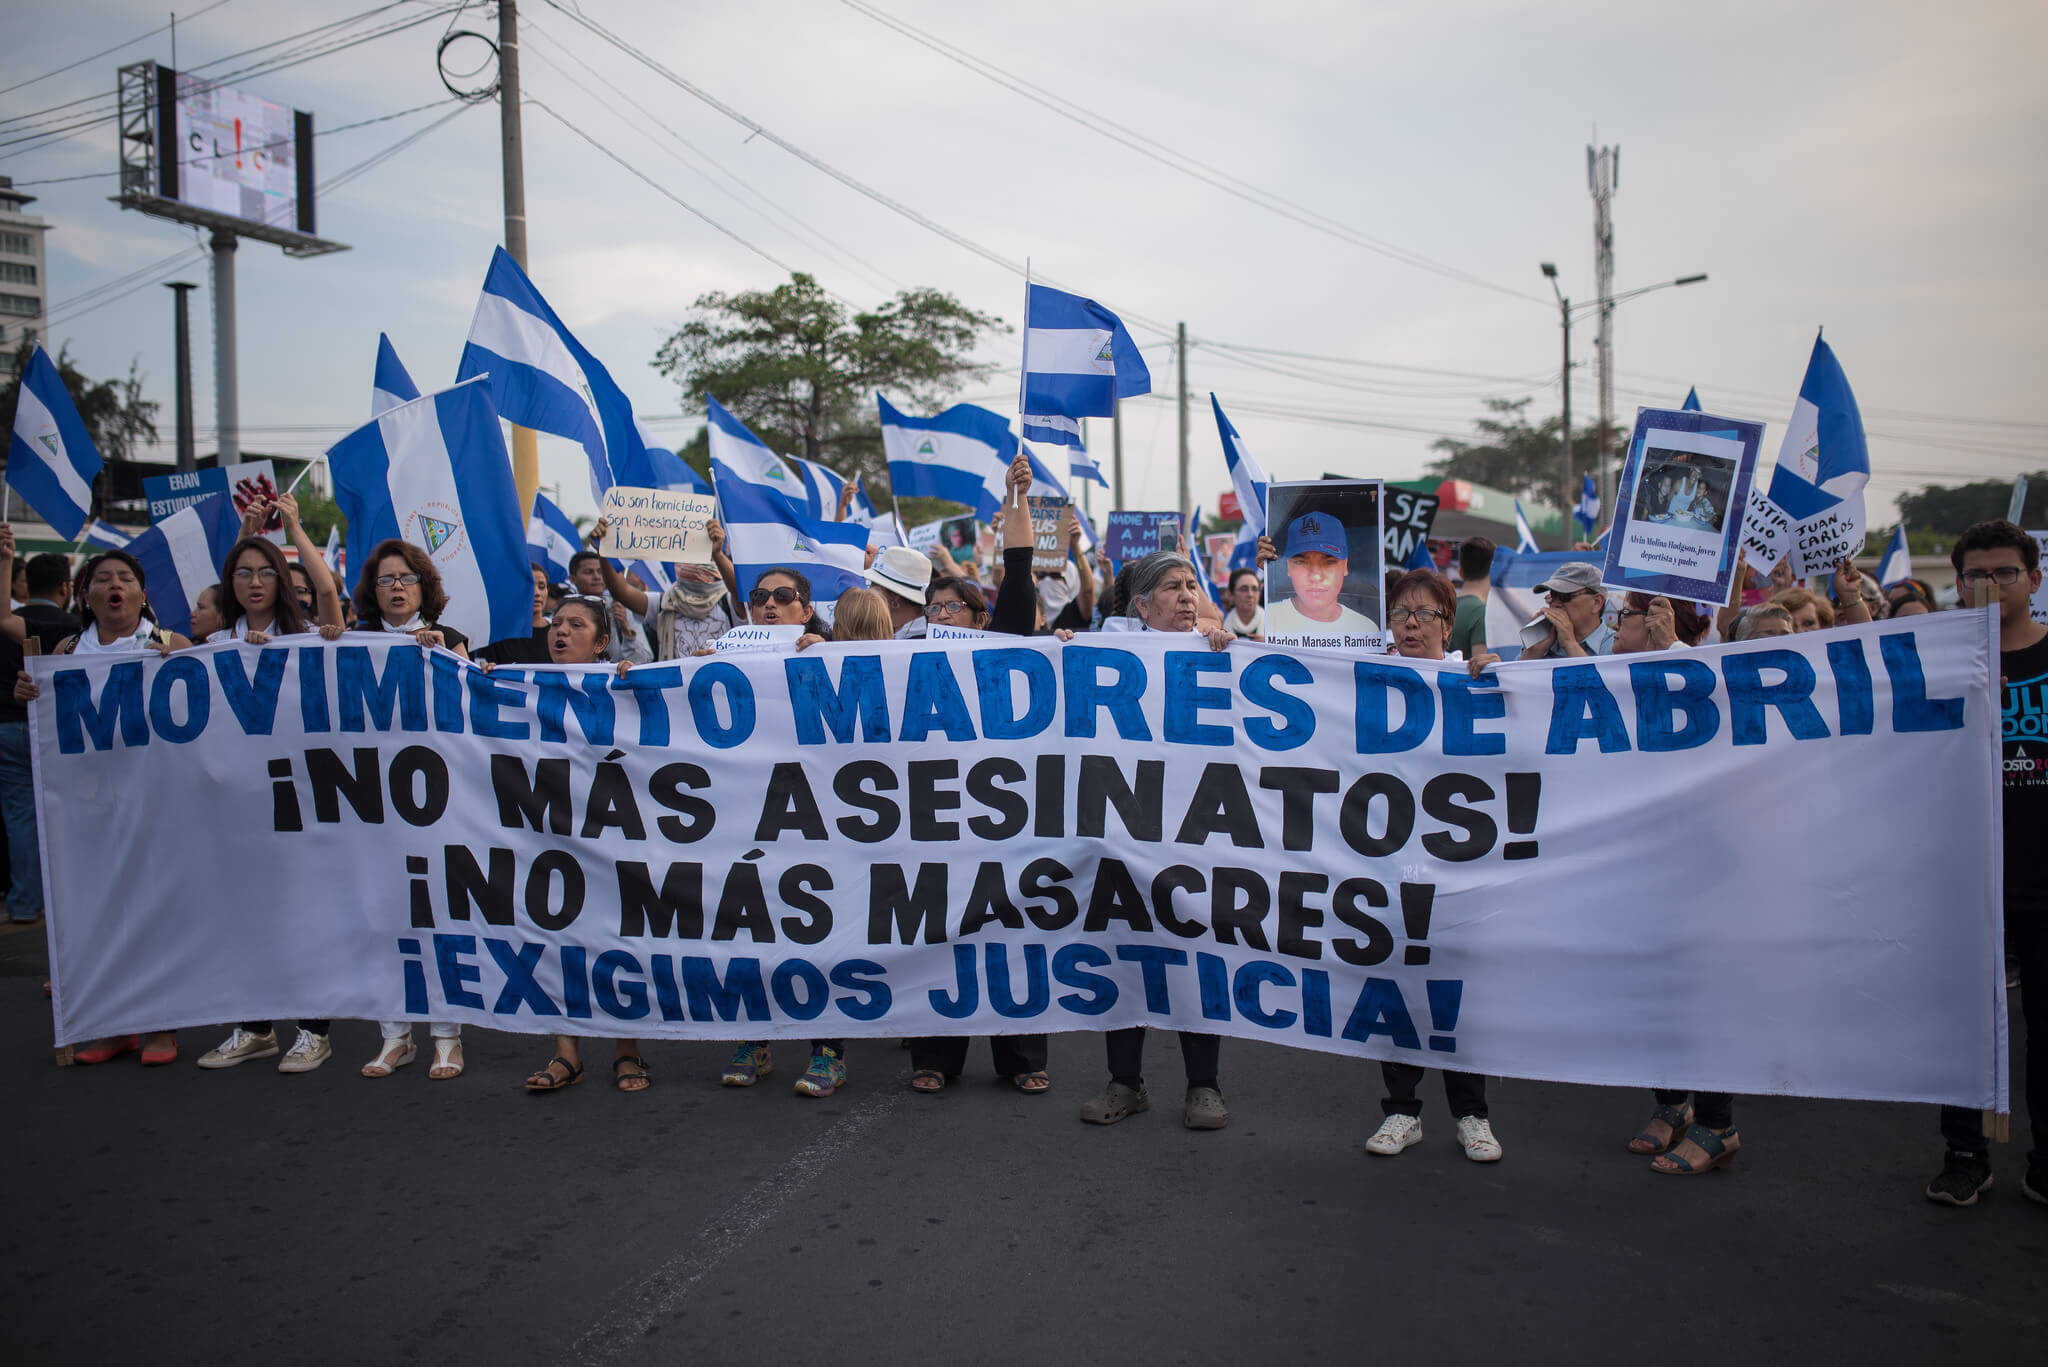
x,y
234,154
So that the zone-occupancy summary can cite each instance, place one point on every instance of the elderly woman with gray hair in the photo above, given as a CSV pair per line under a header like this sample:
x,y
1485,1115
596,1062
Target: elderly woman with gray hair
x,y
1164,590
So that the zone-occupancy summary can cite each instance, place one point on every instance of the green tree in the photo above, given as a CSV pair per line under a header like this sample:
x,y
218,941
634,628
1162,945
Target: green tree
x,y
114,412
801,369
1948,511
1522,458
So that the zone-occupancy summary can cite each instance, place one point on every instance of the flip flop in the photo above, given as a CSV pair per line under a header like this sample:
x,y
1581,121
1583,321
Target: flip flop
x,y
1032,1084
545,1081
620,1079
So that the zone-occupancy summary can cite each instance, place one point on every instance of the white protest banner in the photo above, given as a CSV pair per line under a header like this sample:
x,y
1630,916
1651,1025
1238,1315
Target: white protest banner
x,y
748,637
657,524
939,631
1528,874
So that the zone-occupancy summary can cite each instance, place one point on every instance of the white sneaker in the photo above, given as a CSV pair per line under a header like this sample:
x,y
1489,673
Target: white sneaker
x,y
1396,1132
1475,1136
308,1052
240,1047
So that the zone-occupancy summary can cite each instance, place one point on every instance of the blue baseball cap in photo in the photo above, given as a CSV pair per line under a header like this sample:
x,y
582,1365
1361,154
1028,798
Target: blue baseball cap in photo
x,y
1317,534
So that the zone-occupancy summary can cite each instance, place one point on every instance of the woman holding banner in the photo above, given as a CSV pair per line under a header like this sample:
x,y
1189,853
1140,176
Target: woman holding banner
x,y
114,619
581,634
934,1059
1424,609
400,591
260,604
1164,588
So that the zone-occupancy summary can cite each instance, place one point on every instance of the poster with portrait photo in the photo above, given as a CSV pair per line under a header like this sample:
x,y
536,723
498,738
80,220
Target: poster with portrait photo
x,y
1680,505
1324,591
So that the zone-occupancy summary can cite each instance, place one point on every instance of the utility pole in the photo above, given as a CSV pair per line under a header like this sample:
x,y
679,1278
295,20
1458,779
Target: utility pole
x,y
525,443
1603,174
1116,454
1181,348
1564,314
227,418
188,446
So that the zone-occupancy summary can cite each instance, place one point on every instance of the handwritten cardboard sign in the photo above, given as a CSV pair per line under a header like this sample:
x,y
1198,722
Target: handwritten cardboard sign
x,y
658,524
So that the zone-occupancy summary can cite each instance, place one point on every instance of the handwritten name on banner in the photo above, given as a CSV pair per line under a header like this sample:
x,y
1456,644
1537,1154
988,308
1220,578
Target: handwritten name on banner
x,y
658,524
999,834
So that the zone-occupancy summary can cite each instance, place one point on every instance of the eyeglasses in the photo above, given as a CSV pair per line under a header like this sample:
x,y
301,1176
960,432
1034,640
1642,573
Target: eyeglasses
x,y
1633,612
1426,616
266,574
385,581
2005,576
784,596
945,609
1557,597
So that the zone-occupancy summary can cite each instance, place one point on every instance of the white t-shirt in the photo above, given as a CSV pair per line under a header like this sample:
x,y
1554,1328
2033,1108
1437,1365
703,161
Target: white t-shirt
x,y
88,642
1285,619
240,631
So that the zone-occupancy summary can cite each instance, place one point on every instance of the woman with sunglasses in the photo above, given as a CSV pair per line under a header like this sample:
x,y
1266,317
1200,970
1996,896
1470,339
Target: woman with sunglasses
x,y
782,597
115,620
400,591
258,606
1425,607
581,634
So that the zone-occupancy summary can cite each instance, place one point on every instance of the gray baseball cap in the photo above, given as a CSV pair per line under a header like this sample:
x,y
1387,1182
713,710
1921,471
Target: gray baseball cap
x,y
1576,577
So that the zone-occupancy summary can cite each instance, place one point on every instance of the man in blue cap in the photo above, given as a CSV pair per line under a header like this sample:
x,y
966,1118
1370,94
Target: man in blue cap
x,y
1318,556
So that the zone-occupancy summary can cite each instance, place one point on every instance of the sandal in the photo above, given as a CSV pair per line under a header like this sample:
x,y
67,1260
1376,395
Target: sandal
x,y
930,1081
395,1054
447,1058
1674,1118
546,1081
1713,1143
1032,1084
631,1082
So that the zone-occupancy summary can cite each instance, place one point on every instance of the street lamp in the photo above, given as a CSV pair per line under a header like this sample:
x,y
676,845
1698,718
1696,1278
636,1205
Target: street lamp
x,y
1564,315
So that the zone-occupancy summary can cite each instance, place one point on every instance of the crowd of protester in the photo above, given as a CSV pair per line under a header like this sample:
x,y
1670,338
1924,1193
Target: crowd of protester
x,y
603,615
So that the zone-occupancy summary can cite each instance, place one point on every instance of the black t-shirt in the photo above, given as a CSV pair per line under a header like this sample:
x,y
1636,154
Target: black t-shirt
x,y
50,625
2025,733
518,650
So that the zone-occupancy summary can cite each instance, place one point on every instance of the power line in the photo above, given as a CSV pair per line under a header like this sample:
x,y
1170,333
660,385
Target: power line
x,y
109,51
1187,165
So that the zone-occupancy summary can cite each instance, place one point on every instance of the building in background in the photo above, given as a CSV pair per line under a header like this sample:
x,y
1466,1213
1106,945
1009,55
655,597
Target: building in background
x,y
24,290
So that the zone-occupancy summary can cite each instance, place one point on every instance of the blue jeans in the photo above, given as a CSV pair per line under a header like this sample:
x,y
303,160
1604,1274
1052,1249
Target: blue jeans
x,y
18,806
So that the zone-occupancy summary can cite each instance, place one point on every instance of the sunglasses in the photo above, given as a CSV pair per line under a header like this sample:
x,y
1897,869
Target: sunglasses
x,y
785,595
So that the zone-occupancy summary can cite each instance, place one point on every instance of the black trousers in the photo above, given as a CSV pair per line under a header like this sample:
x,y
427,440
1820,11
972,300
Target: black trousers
x,y
263,1027
1465,1092
1013,1054
2026,939
1201,1053
1715,1110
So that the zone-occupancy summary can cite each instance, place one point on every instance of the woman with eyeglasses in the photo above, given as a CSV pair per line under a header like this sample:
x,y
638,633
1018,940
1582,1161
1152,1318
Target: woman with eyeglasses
x,y
115,620
1424,609
258,606
581,634
782,597
958,602
400,591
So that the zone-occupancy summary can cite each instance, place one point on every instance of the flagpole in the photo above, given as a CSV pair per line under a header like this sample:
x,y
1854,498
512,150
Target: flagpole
x,y
1024,370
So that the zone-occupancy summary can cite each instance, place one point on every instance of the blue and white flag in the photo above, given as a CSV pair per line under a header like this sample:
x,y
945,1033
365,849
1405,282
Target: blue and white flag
x,y
740,457
1419,558
51,461
1044,484
1600,541
1081,465
950,456
1692,401
666,469
182,556
1525,540
332,555
1245,476
761,533
1588,511
1898,561
391,386
435,473
821,486
543,378
105,535
1822,468
1078,358
551,538
1051,429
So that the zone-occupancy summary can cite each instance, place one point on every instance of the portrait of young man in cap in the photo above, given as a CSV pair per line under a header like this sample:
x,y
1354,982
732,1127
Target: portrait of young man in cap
x,y
1314,597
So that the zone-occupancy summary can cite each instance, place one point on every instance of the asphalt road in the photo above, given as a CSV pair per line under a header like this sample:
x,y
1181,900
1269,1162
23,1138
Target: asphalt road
x,y
173,1216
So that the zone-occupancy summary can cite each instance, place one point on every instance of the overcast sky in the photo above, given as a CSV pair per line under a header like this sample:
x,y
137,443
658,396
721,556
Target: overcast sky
x,y
1870,167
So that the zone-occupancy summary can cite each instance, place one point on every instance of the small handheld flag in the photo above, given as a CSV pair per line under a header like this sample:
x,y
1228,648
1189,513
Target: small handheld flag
x,y
551,538
51,461
1245,475
1898,561
1078,358
1822,468
1588,511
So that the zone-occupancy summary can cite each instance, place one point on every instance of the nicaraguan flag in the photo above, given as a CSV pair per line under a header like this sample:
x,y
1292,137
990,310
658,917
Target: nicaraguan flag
x,y
182,556
1898,561
551,538
666,469
950,456
391,386
1078,358
1081,465
1600,541
1588,511
1692,401
51,461
543,378
1044,484
740,457
761,533
1051,429
1525,540
821,486
1825,461
1245,476
435,473
105,535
